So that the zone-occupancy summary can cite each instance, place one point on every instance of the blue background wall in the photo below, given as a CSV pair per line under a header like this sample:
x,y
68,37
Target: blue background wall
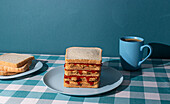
x,y
50,26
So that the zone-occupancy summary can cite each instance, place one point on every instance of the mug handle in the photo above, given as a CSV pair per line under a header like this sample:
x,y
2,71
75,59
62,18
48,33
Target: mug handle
x,y
141,48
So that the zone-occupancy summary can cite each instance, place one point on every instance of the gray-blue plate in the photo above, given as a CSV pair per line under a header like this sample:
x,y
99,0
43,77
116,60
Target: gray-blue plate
x,y
35,66
110,79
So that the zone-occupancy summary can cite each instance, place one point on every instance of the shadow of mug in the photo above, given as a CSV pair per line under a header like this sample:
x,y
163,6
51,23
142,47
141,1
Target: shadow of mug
x,y
160,51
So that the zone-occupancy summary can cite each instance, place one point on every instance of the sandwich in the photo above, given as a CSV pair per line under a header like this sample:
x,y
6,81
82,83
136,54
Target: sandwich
x,y
82,67
12,63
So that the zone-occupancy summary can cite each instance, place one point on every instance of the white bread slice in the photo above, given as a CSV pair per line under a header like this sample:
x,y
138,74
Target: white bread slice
x,y
15,60
16,70
92,55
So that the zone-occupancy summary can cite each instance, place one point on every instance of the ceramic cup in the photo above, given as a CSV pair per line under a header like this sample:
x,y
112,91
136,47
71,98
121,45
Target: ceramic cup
x,y
131,52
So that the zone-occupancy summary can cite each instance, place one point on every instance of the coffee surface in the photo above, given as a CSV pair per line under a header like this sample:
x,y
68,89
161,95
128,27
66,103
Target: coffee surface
x,y
132,40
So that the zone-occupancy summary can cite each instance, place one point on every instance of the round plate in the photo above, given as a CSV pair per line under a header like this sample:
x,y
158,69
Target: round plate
x,y
110,79
35,66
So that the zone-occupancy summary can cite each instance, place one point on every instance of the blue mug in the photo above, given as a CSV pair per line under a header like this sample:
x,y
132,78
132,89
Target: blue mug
x,y
131,52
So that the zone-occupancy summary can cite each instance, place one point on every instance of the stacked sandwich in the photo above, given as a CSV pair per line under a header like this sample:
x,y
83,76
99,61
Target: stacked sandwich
x,y
12,63
82,67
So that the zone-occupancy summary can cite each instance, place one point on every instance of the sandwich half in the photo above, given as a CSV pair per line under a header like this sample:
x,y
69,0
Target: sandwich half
x,y
17,70
15,60
13,63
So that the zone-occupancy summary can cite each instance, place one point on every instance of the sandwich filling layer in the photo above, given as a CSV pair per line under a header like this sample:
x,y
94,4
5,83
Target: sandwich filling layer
x,y
82,73
81,85
81,66
82,82
81,78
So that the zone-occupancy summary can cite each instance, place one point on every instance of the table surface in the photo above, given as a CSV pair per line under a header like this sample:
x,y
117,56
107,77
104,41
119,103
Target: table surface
x,y
151,85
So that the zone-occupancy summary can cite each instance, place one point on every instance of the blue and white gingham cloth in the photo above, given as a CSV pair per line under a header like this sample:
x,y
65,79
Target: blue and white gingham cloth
x,y
150,85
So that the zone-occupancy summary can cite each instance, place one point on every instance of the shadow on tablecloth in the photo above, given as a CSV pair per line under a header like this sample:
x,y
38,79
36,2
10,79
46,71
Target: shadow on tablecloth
x,y
160,51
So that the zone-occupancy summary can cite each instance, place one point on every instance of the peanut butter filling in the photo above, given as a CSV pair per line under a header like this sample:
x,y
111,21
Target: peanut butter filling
x,y
82,73
83,65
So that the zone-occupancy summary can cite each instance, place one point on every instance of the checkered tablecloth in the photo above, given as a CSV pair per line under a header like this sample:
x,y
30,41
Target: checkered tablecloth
x,y
151,85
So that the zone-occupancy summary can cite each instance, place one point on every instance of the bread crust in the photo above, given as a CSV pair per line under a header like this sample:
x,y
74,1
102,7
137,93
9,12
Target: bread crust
x,y
20,64
24,62
5,73
15,70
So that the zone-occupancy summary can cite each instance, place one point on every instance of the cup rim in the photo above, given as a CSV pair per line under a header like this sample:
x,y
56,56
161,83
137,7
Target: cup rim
x,y
131,37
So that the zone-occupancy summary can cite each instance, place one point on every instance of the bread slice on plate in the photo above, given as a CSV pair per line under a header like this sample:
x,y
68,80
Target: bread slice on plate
x,y
89,55
16,70
15,60
5,73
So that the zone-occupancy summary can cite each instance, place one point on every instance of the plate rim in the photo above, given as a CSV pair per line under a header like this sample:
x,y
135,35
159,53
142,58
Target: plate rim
x,y
73,94
24,73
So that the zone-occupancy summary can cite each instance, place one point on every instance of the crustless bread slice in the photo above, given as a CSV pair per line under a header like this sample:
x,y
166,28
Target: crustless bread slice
x,y
15,60
89,55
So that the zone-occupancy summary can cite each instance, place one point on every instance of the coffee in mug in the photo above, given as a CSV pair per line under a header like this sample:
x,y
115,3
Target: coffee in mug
x,y
132,40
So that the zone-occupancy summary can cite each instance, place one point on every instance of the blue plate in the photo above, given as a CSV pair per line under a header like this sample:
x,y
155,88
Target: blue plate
x,y
110,79
36,65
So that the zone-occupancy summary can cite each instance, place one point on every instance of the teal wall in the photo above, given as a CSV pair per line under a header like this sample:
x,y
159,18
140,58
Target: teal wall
x,y
50,26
